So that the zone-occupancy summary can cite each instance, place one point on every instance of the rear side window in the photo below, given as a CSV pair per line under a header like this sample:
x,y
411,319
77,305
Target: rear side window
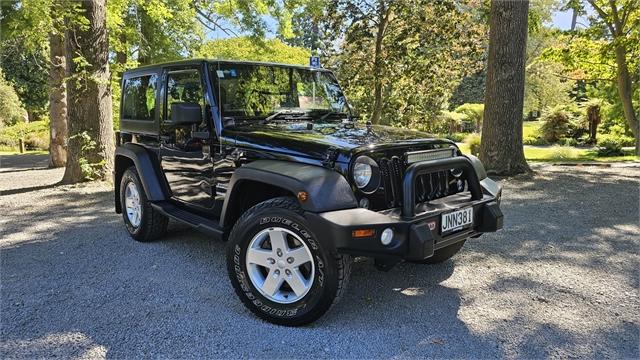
x,y
184,87
139,98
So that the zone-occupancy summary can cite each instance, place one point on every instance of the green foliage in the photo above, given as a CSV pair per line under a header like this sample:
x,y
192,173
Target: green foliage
x,y
426,49
473,141
27,71
90,170
556,125
11,110
563,122
470,90
244,48
249,16
474,114
610,145
456,136
531,133
152,31
35,135
563,152
545,86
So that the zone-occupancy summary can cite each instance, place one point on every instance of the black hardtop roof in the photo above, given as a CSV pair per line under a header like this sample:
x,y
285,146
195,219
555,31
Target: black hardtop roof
x,y
214,61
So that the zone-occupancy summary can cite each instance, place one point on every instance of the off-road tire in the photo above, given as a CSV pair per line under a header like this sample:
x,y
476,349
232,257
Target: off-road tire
x,y
332,270
153,225
443,254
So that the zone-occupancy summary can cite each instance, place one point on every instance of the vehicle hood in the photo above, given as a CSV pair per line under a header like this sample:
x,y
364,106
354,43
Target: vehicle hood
x,y
302,139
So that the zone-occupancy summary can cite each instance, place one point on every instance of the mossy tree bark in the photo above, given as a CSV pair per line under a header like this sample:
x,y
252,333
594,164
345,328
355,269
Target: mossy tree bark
x,y
57,101
90,148
501,149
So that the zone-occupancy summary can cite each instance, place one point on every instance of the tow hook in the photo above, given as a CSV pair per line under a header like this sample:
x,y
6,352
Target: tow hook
x,y
385,264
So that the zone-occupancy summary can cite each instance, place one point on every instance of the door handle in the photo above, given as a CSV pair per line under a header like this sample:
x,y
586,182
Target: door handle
x,y
203,135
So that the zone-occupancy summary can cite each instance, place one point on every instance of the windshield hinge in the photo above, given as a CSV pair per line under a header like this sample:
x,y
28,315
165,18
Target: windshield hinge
x,y
330,157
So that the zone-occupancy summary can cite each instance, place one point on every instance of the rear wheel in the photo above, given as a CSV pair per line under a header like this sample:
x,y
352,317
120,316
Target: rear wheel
x,y
282,271
443,254
142,221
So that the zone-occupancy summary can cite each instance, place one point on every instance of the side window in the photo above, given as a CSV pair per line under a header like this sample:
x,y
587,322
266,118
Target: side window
x,y
139,98
184,86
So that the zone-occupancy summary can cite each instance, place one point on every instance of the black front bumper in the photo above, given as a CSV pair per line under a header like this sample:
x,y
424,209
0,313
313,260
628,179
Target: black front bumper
x,y
416,227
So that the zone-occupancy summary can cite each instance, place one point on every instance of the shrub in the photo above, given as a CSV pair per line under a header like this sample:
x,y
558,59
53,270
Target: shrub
x,y
610,145
450,122
35,135
531,133
474,114
563,152
457,137
11,110
37,141
534,140
556,125
473,142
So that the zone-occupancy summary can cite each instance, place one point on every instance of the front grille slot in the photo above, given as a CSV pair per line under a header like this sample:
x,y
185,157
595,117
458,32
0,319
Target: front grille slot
x,y
428,187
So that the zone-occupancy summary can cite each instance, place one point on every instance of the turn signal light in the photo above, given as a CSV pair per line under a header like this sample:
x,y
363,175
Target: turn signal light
x,y
303,196
363,233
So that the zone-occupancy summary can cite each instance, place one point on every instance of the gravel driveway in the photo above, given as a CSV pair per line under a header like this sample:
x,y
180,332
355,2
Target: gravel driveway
x,y
560,281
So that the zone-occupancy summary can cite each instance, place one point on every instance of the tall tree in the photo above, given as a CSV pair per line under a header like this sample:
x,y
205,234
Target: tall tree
x,y
33,51
58,89
621,17
91,144
501,149
400,60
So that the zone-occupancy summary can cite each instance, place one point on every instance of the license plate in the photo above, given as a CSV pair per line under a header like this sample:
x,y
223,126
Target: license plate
x,y
456,220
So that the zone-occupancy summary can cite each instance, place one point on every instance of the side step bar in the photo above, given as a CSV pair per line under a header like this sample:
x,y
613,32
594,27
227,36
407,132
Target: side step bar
x,y
211,227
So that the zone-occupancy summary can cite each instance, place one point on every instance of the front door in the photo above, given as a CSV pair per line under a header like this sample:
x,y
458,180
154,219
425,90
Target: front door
x,y
186,149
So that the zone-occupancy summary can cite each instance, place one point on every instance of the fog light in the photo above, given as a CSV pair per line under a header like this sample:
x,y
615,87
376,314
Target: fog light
x,y
364,203
387,236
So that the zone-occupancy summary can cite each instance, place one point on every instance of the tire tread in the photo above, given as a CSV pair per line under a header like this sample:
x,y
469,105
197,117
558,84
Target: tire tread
x,y
287,203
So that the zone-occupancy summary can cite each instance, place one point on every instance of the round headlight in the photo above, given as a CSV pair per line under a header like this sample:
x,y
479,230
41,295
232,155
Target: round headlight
x,y
366,174
362,174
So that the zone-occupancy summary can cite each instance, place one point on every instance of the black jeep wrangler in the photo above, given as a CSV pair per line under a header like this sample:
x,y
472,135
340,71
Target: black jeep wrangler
x,y
272,159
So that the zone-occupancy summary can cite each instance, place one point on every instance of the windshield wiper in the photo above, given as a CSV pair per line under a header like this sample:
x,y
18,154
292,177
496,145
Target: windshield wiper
x,y
284,114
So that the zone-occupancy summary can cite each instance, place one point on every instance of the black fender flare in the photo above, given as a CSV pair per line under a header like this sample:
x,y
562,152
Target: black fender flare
x,y
146,168
327,189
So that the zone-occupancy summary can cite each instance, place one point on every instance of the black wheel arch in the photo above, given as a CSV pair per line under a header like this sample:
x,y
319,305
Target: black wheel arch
x,y
146,165
326,189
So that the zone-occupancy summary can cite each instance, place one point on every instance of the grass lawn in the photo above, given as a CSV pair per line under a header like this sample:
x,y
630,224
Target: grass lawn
x,y
564,154
531,128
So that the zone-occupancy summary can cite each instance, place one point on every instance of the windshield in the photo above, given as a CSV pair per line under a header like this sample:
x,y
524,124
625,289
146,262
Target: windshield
x,y
253,90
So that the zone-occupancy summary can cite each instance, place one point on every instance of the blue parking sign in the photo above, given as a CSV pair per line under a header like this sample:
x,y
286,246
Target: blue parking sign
x,y
314,61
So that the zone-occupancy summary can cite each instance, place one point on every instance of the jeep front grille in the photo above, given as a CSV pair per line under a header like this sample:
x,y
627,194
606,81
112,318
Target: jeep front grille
x,y
427,187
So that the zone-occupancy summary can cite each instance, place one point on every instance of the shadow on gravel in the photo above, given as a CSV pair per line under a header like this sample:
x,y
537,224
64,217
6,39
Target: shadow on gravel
x,y
76,285
22,162
28,189
575,236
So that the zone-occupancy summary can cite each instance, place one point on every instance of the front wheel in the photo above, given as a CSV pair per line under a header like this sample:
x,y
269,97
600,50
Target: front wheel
x,y
283,272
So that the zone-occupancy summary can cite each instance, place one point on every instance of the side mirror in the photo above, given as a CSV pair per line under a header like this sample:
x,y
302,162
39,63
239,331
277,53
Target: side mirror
x,y
184,113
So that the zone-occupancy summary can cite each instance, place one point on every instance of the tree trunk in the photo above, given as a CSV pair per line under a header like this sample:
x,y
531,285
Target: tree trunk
x,y
625,92
91,142
501,148
377,64
146,37
57,101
